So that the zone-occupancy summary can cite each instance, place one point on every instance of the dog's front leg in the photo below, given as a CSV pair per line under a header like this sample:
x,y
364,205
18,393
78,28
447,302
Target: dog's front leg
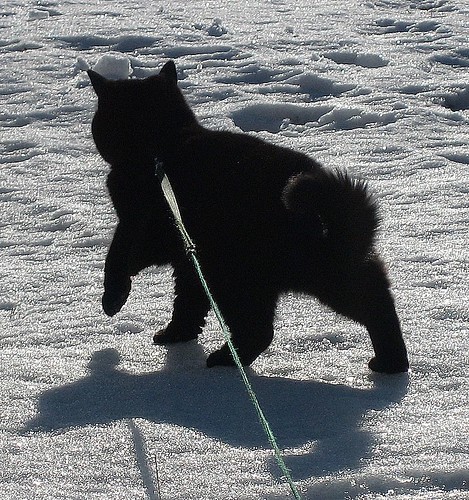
x,y
117,282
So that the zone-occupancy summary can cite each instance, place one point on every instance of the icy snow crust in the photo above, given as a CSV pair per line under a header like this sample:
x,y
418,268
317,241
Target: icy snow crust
x,y
89,407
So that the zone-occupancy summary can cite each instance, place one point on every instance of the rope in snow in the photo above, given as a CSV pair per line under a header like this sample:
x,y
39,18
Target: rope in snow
x,y
190,250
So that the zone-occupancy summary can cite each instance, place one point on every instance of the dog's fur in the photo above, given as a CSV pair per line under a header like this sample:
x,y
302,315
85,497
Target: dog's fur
x,y
265,219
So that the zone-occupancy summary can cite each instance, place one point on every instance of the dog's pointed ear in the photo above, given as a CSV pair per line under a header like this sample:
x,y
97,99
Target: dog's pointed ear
x,y
169,70
98,81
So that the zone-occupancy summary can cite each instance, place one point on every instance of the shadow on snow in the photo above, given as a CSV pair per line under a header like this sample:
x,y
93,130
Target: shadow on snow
x,y
214,402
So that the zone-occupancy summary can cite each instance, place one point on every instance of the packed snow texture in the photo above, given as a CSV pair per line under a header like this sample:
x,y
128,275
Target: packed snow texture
x,y
113,66
89,407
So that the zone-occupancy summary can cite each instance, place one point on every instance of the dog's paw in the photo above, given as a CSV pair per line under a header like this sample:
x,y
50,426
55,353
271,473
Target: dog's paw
x,y
172,335
388,366
222,357
115,297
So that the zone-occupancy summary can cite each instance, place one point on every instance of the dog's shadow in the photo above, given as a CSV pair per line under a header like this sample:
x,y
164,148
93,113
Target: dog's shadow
x,y
319,417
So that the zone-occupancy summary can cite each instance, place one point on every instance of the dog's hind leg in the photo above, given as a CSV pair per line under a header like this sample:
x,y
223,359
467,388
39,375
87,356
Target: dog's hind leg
x,y
249,316
361,292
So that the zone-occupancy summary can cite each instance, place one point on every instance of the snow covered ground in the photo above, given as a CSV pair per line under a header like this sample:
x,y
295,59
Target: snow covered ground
x,y
90,409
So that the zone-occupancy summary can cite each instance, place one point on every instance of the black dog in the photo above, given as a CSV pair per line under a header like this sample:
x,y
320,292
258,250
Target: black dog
x,y
264,219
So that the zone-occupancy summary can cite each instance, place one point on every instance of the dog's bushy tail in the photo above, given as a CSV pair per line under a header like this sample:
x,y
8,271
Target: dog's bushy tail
x,y
345,211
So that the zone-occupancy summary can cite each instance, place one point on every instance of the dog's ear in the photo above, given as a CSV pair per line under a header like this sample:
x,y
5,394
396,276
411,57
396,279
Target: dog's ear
x,y
98,81
169,70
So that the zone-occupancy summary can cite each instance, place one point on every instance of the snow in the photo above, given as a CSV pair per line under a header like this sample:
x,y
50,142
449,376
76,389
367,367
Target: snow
x,y
113,66
89,407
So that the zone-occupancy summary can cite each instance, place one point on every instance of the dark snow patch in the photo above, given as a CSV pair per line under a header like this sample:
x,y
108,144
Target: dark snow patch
x,y
434,5
270,117
456,157
391,25
458,100
127,43
364,60
202,50
286,117
319,86
457,57
6,305
252,74
413,89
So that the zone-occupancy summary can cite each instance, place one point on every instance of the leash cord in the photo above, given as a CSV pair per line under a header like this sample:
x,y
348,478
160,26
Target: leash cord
x,y
191,252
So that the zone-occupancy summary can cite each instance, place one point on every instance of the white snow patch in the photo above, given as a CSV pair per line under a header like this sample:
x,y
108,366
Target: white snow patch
x,y
114,66
128,326
216,28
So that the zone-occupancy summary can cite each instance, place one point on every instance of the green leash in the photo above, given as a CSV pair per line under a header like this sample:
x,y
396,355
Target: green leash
x,y
190,250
